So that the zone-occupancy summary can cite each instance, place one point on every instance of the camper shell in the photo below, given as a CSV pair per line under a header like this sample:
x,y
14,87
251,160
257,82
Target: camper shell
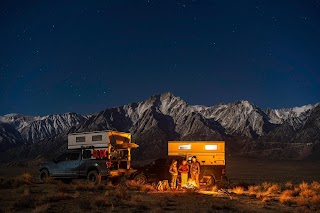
x,y
210,155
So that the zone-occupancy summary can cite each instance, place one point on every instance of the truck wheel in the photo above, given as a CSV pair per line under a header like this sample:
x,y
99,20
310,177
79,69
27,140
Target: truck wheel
x,y
140,178
211,181
43,176
94,177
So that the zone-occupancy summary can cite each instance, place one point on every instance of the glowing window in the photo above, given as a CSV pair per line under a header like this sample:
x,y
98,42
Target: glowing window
x,y
185,147
211,147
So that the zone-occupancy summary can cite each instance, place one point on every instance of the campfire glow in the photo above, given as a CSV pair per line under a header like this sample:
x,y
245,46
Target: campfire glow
x,y
191,184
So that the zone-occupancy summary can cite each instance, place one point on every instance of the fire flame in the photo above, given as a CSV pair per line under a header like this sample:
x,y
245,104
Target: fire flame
x,y
191,184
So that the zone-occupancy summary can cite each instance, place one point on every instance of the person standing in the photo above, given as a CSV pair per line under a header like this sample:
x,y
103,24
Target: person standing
x,y
174,174
184,170
195,170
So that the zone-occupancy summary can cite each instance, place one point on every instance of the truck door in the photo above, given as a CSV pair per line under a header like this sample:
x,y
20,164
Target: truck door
x,y
57,168
71,165
67,165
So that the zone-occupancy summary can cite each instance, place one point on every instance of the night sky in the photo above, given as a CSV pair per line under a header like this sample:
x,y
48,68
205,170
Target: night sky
x,y
85,56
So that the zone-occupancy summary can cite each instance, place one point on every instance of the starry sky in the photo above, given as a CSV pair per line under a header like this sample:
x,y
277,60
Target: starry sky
x,y
85,56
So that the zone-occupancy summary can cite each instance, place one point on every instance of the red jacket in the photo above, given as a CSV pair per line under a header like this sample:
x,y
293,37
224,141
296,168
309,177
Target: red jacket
x,y
183,168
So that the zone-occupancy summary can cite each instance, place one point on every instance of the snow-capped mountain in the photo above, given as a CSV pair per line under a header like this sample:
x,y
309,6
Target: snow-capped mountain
x,y
35,128
161,118
295,117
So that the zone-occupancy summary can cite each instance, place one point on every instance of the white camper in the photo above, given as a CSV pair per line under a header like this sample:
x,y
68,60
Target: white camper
x,y
97,139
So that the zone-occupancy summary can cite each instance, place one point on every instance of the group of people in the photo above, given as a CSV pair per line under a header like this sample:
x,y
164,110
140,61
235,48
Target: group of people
x,y
184,169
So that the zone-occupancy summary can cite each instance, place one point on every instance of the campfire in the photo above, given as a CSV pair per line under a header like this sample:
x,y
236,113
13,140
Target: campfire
x,y
190,185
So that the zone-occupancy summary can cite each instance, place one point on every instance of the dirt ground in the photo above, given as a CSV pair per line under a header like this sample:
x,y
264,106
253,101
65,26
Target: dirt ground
x,y
26,194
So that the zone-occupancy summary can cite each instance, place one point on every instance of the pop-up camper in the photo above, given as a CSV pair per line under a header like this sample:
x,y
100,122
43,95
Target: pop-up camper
x,y
210,155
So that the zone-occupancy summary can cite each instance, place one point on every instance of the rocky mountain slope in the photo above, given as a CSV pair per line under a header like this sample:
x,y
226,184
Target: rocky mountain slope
x,y
166,117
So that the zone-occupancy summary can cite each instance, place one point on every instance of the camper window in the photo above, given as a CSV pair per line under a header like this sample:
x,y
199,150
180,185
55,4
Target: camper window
x,y
211,147
81,139
185,147
97,138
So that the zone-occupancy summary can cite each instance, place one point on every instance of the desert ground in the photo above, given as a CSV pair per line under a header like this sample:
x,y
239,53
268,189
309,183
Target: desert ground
x,y
256,186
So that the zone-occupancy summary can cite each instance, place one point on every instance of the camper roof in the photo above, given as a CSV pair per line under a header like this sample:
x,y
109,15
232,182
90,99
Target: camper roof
x,y
81,133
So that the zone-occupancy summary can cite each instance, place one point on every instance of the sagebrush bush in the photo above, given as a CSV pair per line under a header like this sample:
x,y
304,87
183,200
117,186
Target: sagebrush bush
x,y
266,185
238,190
121,192
286,197
254,190
288,185
303,186
274,189
307,193
315,186
101,201
41,208
59,196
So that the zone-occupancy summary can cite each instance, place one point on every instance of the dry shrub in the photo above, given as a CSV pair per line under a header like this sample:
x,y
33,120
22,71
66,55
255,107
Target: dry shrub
x,y
296,191
274,189
214,188
76,195
315,200
147,188
50,180
307,193
238,190
157,209
266,185
315,186
23,179
59,196
288,185
110,192
121,192
287,197
85,187
41,209
244,185
62,187
23,190
133,185
303,186
101,201
86,204
302,201
135,201
137,198
266,199
254,190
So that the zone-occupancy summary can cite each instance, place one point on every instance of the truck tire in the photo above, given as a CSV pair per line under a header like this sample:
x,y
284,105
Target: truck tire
x,y
140,178
43,176
94,177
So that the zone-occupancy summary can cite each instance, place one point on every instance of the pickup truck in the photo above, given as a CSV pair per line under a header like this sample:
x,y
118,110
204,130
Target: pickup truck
x,y
73,165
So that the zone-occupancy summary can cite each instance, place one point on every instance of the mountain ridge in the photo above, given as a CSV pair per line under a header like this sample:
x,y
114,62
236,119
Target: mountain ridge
x,y
166,117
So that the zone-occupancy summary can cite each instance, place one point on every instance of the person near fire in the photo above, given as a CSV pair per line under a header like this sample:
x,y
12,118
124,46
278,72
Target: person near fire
x,y
174,174
184,171
195,170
